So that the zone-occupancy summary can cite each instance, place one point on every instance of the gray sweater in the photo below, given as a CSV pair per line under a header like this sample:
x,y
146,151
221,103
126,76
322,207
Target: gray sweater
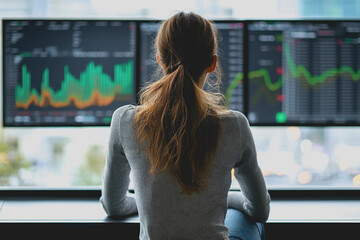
x,y
165,213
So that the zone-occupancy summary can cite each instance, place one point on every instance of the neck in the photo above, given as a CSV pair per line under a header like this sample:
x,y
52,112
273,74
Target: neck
x,y
202,79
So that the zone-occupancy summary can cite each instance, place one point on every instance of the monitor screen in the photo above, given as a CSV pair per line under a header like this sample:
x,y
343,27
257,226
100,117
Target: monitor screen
x,y
67,72
230,44
303,72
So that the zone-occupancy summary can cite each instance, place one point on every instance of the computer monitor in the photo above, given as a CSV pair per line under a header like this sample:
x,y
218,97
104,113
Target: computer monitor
x,y
303,73
230,44
67,72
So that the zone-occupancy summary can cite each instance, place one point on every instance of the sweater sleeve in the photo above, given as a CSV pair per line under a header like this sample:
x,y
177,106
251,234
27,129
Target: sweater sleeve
x,y
115,198
253,199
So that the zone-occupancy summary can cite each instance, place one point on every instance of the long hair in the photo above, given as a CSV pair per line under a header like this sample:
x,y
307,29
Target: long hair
x,y
179,121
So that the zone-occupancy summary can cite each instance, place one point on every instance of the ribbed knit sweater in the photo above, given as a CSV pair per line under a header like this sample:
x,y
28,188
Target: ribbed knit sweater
x,y
166,214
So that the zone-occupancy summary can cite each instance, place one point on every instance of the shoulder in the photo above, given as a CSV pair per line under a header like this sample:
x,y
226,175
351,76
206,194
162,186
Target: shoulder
x,y
124,114
235,117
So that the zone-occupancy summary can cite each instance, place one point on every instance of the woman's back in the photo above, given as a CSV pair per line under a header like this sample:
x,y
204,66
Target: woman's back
x,y
181,145
164,212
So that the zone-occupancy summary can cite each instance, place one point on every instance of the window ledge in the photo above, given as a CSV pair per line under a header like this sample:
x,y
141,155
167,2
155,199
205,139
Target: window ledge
x,y
87,211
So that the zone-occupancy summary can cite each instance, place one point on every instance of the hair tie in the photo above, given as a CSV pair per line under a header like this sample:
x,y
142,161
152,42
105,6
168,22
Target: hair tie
x,y
174,67
177,65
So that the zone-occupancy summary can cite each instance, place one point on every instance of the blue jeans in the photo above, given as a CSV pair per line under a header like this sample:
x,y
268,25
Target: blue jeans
x,y
240,227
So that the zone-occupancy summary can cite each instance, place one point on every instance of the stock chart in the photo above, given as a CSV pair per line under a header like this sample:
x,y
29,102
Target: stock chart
x,y
304,72
67,72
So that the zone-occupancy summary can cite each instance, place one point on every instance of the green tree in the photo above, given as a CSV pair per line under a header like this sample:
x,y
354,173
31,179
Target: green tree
x,y
11,161
90,171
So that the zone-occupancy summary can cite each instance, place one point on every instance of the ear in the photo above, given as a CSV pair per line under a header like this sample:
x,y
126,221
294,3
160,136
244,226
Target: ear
x,y
158,58
212,67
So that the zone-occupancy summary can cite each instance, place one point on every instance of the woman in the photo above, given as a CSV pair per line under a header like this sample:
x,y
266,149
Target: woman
x,y
181,145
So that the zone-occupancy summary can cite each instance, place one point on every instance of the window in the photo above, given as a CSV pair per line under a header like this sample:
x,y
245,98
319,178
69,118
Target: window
x,y
290,157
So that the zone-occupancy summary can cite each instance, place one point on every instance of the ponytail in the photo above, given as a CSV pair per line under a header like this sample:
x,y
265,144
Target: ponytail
x,y
179,123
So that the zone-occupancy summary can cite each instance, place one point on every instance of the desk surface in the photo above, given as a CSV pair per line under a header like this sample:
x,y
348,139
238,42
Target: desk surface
x,y
73,211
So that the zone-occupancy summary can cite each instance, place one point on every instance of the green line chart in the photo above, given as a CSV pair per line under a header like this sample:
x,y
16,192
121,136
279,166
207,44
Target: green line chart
x,y
298,71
